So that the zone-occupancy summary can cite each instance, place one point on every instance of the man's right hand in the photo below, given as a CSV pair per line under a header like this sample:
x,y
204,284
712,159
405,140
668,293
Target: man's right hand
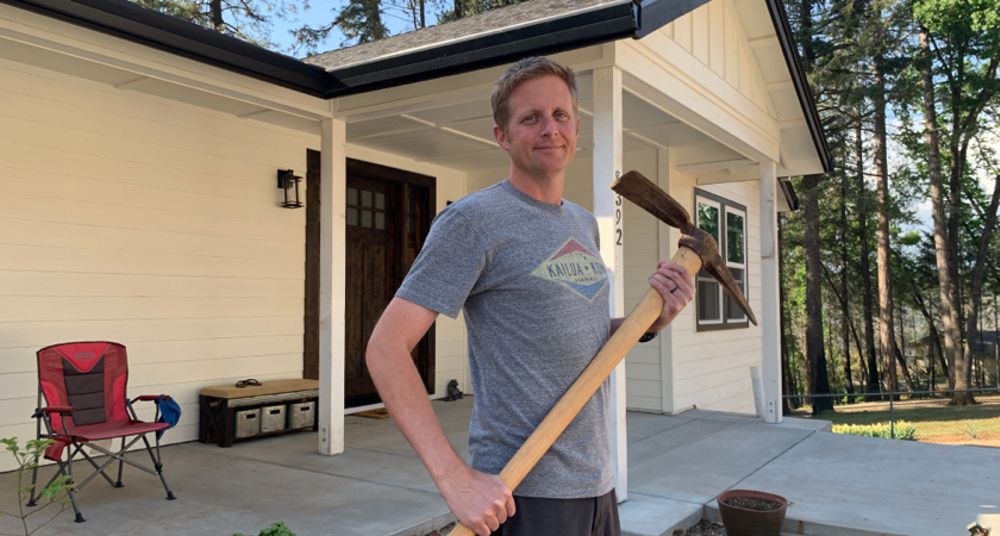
x,y
480,501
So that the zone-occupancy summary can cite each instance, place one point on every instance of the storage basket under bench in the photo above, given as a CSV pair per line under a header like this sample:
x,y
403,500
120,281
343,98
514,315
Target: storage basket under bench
x,y
228,413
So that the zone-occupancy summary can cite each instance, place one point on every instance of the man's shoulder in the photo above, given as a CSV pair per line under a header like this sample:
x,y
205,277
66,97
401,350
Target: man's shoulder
x,y
481,202
578,211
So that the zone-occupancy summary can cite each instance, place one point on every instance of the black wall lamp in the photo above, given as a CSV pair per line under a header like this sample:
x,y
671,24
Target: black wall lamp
x,y
288,181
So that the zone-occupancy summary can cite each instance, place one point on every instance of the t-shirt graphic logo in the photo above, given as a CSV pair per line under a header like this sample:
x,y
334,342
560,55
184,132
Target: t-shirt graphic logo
x,y
576,268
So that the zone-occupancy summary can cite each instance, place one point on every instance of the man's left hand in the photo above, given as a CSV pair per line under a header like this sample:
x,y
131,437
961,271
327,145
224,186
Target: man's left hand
x,y
677,288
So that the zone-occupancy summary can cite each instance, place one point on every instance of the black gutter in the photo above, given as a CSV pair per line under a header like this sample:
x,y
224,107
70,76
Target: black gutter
x,y
789,192
806,101
601,25
135,23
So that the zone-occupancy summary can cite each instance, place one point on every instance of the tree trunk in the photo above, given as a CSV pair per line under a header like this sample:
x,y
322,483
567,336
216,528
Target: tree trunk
x,y
845,312
887,336
215,8
848,327
976,286
901,356
819,383
873,385
788,385
935,336
943,246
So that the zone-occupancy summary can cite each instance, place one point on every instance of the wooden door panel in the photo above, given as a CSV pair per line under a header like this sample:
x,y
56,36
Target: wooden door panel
x,y
354,341
385,219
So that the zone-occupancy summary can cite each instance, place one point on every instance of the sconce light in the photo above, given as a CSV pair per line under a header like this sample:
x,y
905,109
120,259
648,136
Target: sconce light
x,y
288,181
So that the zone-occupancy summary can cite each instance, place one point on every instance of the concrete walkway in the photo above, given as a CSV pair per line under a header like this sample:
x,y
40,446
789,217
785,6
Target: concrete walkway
x,y
677,466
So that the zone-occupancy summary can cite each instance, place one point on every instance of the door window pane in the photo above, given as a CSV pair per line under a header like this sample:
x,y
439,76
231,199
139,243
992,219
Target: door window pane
x,y
366,198
352,216
366,218
352,196
380,201
380,220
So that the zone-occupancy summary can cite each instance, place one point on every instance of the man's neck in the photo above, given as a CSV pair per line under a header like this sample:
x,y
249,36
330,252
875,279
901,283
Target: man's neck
x,y
547,189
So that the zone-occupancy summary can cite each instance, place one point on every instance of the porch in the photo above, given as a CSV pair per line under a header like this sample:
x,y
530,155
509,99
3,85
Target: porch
x,y
677,466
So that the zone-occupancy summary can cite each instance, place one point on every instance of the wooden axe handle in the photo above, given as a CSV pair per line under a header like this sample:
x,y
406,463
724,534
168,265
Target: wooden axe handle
x,y
572,401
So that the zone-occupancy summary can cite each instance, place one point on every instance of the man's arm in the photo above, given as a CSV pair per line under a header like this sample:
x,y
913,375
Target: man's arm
x,y
481,502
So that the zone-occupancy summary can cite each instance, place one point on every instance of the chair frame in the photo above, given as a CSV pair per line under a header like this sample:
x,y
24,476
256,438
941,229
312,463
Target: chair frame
x,y
74,445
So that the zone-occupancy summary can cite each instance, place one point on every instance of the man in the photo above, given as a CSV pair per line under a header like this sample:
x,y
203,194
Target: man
x,y
524,265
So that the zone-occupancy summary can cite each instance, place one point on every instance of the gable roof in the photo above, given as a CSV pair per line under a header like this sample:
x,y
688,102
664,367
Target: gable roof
x,y
492,38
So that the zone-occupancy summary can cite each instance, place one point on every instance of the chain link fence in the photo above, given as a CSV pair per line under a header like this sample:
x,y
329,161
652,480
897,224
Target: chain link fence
x,y
926,416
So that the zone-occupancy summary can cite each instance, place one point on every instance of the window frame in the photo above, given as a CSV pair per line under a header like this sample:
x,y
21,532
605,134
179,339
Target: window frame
x,y
725,207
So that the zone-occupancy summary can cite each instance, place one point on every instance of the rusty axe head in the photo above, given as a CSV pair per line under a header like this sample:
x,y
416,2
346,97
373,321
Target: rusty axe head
x,y
641,191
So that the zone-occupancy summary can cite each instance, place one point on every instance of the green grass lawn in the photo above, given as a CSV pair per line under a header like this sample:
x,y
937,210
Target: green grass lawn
x,y
935,421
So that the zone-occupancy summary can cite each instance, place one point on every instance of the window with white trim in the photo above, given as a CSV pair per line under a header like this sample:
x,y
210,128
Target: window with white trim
x,y
726,221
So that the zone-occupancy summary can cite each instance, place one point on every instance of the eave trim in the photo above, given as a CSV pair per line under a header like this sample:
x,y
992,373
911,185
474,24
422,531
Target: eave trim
x,y
806,100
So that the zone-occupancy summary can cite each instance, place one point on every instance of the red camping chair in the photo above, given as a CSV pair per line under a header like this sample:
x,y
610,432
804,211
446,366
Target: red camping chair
x,y
84,388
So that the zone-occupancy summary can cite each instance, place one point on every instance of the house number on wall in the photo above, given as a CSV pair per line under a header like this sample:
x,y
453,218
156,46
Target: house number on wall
x,y
618,220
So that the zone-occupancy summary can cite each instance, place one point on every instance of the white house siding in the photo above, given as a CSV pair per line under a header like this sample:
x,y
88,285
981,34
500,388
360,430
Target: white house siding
x,y
705,66
712,368
713,35
641,239
146,221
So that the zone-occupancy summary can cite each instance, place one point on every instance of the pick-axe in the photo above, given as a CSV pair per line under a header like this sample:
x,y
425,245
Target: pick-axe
x,y
697,250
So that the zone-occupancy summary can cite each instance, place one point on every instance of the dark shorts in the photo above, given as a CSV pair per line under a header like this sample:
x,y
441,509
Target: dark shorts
x,y
597,516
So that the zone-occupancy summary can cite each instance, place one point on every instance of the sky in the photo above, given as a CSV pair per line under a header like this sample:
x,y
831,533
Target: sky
x,y
320,13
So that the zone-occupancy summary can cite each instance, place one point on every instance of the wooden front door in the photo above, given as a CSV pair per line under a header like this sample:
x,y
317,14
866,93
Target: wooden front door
x,y
388,216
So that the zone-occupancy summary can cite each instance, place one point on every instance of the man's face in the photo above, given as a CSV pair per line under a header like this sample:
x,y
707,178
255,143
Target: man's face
x,y
541,129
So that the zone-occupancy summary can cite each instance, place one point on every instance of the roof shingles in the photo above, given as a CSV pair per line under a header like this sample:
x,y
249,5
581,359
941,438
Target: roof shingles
x,y
494,21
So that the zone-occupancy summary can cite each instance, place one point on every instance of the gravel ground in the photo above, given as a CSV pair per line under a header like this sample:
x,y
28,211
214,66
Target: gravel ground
x,y
703,528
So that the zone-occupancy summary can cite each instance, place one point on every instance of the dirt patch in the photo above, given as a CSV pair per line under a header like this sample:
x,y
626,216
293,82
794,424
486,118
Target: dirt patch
x,y
703,528
960,439
753,503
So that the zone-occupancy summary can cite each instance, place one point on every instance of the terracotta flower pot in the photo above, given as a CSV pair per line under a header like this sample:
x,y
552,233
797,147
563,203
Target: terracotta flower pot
x,y
752,513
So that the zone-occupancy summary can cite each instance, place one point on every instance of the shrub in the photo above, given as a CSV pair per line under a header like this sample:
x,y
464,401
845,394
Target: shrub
x,y
904,430
277,529
54,494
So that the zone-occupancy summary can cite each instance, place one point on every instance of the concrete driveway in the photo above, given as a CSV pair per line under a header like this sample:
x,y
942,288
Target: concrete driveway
x,y
677,466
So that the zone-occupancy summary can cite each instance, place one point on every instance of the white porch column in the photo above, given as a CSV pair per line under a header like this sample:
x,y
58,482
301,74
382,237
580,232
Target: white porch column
x,y
607,163
333,228
769,315
667,237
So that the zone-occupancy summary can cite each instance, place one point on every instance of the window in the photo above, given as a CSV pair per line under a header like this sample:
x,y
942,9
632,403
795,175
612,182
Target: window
x,y
727,223
366,208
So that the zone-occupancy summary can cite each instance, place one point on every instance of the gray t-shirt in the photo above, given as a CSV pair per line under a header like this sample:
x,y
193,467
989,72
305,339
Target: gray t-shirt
x,y
535,294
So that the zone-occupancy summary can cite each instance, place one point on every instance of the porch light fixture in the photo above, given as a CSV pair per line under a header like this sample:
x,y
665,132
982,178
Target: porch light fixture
x,y
288,182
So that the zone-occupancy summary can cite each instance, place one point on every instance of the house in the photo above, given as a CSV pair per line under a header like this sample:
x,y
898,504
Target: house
x,y
140,156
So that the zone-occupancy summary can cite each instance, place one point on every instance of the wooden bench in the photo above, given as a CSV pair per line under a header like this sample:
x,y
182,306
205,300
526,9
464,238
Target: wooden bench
x,y
228,413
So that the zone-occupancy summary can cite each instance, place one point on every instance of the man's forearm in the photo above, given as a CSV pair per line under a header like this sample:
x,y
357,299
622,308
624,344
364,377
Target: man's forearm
x,y
399,385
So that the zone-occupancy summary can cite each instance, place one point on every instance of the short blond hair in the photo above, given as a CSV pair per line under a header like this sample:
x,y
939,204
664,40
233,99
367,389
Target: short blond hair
x,y
522,71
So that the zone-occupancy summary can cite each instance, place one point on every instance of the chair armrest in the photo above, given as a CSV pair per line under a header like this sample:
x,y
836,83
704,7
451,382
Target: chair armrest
x,y
148,398
62,410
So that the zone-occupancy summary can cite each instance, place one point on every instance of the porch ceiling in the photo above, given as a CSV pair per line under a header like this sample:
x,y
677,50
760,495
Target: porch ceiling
x,y
459,135
132,73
